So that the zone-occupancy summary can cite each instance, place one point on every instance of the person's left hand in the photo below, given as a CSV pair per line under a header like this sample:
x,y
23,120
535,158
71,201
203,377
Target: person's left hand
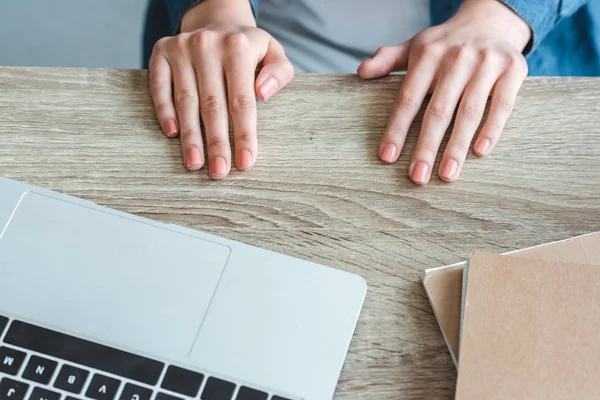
x,y
475,54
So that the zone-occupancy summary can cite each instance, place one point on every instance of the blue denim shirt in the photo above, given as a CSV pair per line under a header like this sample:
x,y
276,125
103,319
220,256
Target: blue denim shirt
x,y
565,40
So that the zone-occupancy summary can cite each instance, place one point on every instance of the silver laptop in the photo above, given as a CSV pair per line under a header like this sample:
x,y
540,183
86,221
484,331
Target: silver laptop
x,y
101,305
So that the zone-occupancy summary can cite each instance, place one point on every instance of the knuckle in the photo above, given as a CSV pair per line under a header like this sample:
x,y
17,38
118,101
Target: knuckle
x,y
162,109
237,42
461,55
463,52
277,47
517,63
216,146
160,45
494,128
487,55
393,133
439,112
185,97
180,41
211,104
429,50
425,36
157,84
242,103
458,149
380,50
245,137
515,59
428,147
505,104
473,110
405,99
288,68
203,39
188,134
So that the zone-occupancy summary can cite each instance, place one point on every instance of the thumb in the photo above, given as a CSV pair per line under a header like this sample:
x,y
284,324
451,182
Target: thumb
x,y
276,71
385,60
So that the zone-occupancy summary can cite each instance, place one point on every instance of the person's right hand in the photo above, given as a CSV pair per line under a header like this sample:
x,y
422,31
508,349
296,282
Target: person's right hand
x,y
207,73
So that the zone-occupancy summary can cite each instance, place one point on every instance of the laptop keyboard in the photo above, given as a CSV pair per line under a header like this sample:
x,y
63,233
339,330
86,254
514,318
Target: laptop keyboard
x,y
40,364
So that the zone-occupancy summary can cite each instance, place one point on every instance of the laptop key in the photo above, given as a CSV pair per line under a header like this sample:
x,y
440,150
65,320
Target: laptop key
x,y
43,394
102,388
135,392
279,398
71,398
182,381
84,352
11,360
71,379
12,390
164,396
246,393
39,370
3,323
217,389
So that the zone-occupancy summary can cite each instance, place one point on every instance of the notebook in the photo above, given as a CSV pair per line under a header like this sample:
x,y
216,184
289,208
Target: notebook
x,y
530,330
443,285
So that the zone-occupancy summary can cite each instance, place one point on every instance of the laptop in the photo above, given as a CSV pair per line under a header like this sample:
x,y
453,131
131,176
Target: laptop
x,y
97,304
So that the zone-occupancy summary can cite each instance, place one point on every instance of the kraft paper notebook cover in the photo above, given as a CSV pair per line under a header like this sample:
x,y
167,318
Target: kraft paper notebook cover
x,y
530,330
443,285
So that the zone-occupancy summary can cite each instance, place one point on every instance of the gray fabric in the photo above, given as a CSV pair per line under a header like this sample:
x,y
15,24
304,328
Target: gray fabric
x,y
337,35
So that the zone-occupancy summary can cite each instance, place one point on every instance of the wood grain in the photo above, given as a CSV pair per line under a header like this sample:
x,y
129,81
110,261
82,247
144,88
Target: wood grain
x,y
319,191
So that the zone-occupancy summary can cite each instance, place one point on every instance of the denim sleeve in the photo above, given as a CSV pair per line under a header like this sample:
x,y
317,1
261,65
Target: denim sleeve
x,y
543,15
178,8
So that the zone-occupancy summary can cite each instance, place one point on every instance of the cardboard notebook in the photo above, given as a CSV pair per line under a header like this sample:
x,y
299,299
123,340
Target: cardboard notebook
x,y
443,285
530,330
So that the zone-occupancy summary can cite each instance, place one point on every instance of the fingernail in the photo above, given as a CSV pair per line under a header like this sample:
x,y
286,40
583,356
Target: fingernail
x,y
420,173
244,159
170,128
364,62
482,147
218,167
448,169
193,158
389,152
268,88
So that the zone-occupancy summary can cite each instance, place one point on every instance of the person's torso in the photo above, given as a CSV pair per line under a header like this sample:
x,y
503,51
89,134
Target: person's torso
x,y
337,35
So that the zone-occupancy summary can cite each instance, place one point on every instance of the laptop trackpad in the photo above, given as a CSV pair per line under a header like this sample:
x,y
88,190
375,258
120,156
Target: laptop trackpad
x,y
107,277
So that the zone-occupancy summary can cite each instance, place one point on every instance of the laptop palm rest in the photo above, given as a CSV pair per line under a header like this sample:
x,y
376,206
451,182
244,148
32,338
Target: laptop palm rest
x,y
106,277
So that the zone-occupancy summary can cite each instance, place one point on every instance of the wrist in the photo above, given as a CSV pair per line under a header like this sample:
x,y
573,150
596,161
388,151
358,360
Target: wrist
x,y
499,18
222,12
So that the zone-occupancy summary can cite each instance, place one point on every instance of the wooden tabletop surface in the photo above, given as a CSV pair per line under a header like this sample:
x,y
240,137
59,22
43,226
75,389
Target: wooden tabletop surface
x,y
320,193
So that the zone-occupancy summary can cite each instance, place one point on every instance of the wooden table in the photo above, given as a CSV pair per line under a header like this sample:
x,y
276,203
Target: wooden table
x,y
319,191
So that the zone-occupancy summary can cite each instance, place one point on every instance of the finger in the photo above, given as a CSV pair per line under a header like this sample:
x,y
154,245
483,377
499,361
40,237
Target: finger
x,y
186,104
162,96
503,100
239,72
385,60
439,115
468,118
276,72
406,106
213,108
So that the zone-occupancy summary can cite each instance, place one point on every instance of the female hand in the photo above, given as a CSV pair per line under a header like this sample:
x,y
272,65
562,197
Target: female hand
x,y
475,54
209,70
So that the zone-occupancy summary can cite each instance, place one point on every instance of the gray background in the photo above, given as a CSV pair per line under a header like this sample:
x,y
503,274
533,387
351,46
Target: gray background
x,y
72,33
